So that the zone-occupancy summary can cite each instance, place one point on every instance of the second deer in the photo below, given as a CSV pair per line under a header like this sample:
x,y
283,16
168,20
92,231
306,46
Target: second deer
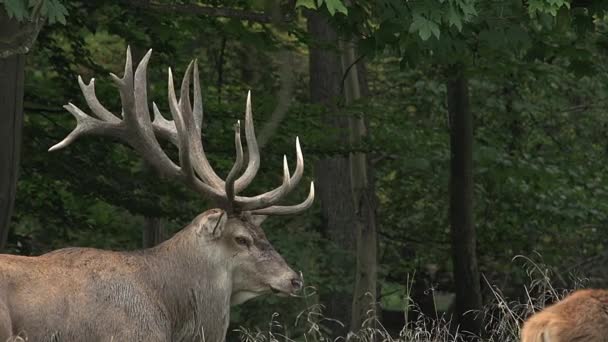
x,y
580,317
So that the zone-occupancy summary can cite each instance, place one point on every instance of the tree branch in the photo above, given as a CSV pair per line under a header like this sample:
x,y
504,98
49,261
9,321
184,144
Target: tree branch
x,y
284,98
195,9
19,37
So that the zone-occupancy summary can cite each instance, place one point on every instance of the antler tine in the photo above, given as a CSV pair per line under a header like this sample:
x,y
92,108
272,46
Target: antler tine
x,y
135,129
141,114
289,209
269,198
125,84
88,90
184,91
139,131
136,115
201,164
183,144
162,127
86,124
198,99
253,164
238,164
273,196
182,122
167,130
297,175
199,159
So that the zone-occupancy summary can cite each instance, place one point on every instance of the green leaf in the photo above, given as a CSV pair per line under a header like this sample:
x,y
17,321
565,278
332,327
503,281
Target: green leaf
x,y
16,9
54,11
334,6
454,18
424,27
468,9
310,4
550,7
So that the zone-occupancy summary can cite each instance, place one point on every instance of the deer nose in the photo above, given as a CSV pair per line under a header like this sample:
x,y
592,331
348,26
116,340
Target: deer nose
x,y
296,283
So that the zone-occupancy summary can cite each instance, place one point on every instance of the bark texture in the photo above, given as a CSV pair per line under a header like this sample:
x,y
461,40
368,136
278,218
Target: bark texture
x,y
464,244
11,123
12,61
153,232
345,183
332,173
363,195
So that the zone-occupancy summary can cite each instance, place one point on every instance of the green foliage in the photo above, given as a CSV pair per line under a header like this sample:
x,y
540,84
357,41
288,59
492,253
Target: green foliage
x,y
551,7
538,94
16,9
424,27
332,6
53,10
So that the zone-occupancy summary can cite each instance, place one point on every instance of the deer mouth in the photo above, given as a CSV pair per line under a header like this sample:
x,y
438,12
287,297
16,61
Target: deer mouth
x,y
243,296
279,292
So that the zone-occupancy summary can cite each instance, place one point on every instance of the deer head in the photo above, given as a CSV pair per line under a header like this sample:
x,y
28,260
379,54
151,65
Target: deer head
x,y
227,240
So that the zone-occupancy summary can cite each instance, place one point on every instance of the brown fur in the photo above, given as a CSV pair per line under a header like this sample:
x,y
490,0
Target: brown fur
x,y
580,317
180,290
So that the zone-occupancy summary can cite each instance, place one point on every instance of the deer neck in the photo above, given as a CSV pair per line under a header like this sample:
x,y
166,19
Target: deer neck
x,y
193,286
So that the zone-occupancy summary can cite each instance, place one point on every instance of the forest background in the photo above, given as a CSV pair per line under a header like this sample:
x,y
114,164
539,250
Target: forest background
x,y
459,148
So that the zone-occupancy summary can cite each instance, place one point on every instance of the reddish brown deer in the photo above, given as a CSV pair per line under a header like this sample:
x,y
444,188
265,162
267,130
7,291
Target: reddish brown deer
x,y
580,317
180,290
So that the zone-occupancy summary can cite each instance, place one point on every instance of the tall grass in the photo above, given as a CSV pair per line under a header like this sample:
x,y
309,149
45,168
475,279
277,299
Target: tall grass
x,y
502,318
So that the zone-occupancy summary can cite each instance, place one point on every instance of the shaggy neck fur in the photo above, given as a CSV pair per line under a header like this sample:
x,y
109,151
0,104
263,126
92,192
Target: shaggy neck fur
x,y
193,285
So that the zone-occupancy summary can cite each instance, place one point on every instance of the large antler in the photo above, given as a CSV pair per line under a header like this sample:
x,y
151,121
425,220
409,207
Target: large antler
x,y
184,131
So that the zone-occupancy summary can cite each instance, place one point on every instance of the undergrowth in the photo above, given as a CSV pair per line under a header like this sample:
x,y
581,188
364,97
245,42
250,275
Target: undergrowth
x,y
502,318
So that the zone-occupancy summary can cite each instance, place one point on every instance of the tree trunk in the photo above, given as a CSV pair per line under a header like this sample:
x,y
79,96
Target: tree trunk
x,y
466,272
15,40
363,194
153,232
11,122
332,172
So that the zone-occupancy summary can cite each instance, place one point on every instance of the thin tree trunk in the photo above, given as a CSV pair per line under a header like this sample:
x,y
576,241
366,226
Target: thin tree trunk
x,y
364,296
153,232
11,123
362,76
220,69
332,172
15,40
464,245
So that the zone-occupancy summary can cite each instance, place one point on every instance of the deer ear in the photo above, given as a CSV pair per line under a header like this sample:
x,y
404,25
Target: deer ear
x,y
213,223
258,219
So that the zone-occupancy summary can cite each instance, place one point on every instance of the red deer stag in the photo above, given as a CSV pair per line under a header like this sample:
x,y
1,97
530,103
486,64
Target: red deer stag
x,y
580,317
182,289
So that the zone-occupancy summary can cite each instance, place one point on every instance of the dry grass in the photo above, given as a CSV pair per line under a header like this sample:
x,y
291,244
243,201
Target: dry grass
x,y
502,319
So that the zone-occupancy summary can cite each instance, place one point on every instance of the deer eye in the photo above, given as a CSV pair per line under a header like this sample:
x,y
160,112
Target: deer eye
x,y
243,241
